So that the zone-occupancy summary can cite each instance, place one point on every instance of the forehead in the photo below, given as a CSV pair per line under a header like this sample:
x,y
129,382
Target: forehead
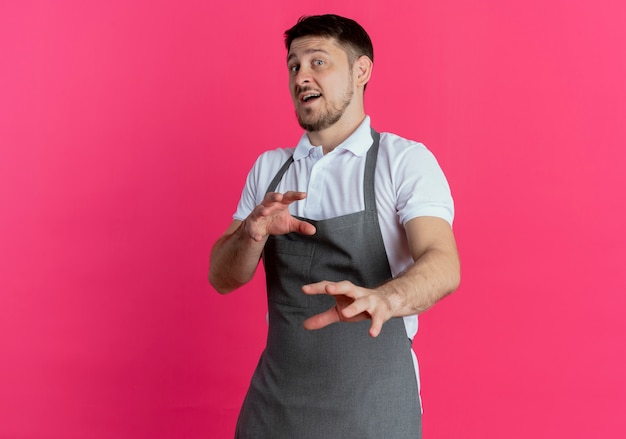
x,y
308,45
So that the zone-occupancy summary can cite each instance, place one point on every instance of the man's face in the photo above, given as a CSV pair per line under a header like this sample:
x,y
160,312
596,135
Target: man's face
x,y
320,81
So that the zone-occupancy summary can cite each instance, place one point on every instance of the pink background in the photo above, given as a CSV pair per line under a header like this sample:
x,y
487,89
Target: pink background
x,y
127,129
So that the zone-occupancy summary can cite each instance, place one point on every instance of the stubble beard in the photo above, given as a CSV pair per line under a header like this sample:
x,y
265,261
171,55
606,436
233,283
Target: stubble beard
x,y
329,116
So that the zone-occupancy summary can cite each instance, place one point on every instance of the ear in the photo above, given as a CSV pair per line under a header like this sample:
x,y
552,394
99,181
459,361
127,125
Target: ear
x,y
362,70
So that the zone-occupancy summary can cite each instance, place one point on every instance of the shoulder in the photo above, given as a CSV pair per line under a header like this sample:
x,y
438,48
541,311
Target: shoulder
x,y
396,151
266,166
259,177
274,156
269,162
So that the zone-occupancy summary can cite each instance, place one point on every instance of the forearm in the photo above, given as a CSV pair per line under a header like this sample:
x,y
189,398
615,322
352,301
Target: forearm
x,y
433,276
234,259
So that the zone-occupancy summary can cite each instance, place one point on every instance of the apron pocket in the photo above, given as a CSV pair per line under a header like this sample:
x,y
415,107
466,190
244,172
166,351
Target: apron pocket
x,y
287,268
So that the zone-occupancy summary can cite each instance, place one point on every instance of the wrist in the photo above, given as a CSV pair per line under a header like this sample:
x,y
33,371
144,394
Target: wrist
x,y
394,297
251,233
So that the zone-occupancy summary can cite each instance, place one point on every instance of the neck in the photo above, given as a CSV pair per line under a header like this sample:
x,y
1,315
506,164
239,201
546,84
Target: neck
x,y
335,135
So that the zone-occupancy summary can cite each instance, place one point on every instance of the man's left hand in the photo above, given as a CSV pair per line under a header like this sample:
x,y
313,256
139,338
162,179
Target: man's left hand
x,y
352,304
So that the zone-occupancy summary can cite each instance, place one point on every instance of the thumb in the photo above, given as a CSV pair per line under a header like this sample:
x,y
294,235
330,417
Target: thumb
x,y
305,228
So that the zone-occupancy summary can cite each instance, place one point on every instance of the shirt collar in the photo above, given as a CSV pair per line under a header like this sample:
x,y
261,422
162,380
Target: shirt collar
x,y
358,143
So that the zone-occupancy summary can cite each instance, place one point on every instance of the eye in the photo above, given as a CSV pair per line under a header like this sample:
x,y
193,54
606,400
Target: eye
x,y
294,68
318,62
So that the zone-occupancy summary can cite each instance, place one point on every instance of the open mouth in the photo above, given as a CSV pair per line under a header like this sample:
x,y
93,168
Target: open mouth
x,y
310,97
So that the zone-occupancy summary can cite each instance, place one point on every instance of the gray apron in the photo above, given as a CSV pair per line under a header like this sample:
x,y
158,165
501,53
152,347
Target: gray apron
x,y
336,382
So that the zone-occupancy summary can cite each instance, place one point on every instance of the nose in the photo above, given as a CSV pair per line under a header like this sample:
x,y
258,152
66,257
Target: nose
x,y
303,76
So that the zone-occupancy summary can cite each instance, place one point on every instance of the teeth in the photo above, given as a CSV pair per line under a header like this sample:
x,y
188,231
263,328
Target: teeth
x,y
307,97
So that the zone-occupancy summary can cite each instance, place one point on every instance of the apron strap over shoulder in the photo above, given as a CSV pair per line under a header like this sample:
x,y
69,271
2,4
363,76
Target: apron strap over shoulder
x,y
279,175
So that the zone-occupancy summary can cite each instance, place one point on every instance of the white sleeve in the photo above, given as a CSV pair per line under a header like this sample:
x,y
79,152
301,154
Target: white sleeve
x,y
247,201
421,186
263,171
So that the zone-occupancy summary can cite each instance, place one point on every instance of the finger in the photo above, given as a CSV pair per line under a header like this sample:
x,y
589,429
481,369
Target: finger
x,y
305,228
377,325
322,320
364,301
316,288
272,197
344,288
291,196
359,306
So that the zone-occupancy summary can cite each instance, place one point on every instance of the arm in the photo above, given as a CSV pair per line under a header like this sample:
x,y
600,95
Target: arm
x,y
434,273
234,259
236,254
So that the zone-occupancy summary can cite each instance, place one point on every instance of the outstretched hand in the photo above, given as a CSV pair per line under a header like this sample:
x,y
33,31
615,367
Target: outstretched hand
x,y
272,217
352,304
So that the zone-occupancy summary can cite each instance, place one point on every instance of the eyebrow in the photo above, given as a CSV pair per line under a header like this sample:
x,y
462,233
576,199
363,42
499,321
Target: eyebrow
x,y
306,52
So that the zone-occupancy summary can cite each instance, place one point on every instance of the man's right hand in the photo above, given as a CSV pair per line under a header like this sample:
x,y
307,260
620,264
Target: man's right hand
x,y
236,254
272,217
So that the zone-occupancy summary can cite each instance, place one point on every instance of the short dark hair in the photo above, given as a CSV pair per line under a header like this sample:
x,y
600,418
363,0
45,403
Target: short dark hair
x,y
346,31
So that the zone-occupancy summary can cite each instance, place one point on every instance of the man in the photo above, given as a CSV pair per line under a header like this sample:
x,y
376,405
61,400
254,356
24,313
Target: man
x,y
354,229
